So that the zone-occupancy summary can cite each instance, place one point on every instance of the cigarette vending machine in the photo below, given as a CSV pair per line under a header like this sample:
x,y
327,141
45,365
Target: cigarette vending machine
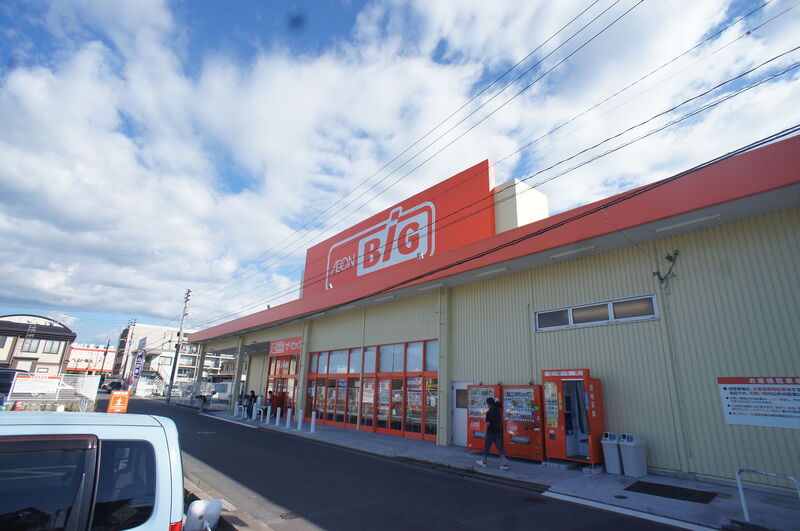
x,y
476,414
574,421
523,434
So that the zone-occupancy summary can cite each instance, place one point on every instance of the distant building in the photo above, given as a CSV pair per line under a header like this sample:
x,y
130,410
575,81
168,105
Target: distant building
x,y
157,347
34,343
91,359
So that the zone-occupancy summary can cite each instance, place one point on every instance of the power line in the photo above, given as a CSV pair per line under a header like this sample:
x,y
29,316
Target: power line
x,y
669,124
295,286
457,124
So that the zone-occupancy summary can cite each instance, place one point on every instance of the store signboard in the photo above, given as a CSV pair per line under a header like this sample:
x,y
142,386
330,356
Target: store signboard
x,y
35,385
761,401
451,214
286,347
137,368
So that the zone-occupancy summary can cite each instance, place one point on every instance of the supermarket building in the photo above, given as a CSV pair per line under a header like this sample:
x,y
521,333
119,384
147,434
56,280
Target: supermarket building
x,y
669,294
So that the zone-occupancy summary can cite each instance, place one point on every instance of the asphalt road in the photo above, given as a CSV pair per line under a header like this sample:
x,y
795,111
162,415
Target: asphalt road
x,y
271,474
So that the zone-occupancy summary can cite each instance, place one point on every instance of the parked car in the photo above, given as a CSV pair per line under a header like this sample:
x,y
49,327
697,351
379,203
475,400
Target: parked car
x,y
92,471
113,385
7,377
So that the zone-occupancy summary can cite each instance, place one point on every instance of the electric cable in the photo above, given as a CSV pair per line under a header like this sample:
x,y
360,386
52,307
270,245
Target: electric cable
x,y
471,114
669,124
642,123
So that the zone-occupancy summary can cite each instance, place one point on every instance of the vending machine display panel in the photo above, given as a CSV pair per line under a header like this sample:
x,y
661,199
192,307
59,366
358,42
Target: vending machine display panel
x,y
476,414
523,433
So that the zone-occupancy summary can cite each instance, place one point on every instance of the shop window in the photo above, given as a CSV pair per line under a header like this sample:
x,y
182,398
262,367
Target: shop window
x,y
323,363
355,360
352,400
397,404
293,365
330,400
414,403
369,359
414,357
368,402
431,404
312,364
30,345
432,355
337,364
609,312
382,412
391,359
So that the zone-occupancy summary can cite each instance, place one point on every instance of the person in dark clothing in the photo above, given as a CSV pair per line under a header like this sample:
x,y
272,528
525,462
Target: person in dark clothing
x,y
250,402
494,434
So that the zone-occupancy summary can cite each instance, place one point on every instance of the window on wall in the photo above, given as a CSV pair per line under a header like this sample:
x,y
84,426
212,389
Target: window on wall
x,y
30,345
414,357
391,358
323,363
52,347
369,359
355,360
338,362
432,355
609,312
2,341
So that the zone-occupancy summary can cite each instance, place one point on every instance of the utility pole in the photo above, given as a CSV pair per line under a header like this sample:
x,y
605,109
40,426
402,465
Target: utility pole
x,y
105,354
127,353
178,344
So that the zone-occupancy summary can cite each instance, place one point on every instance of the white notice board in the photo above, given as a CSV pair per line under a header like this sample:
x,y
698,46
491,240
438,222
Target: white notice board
x,y
761,401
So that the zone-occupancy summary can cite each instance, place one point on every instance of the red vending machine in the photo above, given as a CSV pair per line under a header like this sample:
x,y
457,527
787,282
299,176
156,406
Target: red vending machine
x,y
573,411
522,415
476,414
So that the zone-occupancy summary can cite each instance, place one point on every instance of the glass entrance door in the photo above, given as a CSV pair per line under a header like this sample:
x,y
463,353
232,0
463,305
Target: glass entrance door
x,y
352,401
382,417
413,423
368,403
330,400
396,421
341,400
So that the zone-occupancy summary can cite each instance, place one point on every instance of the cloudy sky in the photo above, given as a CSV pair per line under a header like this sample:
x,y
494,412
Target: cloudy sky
x,y
147,147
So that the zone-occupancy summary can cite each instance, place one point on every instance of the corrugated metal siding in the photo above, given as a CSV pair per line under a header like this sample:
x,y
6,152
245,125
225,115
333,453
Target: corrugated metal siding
x,y
256,375
282,332
405,320
734,308
337,331
222,344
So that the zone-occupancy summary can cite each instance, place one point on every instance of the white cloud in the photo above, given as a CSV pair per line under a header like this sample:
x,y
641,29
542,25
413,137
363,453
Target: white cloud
x,y
124,180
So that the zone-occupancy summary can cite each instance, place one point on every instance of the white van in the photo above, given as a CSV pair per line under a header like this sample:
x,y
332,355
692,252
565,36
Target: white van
x,y
96,471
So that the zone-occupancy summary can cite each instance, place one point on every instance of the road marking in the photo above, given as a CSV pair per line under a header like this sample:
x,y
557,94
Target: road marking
x,y
229,420
628,512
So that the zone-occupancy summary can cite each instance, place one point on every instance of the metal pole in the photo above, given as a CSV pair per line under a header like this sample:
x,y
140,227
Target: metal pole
x,y
105,355
178,345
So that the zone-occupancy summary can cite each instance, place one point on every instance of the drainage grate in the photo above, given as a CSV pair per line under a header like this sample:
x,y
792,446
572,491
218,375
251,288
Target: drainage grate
x,y
669,491
290,516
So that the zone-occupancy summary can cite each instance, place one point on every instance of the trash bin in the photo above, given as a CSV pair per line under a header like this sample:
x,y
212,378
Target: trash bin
x,y
610,442
634,457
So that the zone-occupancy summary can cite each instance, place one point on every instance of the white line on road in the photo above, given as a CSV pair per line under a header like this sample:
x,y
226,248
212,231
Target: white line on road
x,y
628,512
228,420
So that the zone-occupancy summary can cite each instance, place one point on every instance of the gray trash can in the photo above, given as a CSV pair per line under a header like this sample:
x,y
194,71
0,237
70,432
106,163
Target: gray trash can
x,y
610,442
634,457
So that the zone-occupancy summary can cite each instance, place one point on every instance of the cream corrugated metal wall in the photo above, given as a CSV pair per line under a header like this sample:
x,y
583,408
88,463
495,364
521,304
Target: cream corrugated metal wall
x,y
733,306
273,334
256,375
406,320
730,310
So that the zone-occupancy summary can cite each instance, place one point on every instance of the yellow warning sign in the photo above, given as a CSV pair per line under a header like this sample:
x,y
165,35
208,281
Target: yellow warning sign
x,y
118,402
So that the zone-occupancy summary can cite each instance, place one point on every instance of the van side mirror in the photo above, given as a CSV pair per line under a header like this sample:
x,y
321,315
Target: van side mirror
x,y
202,515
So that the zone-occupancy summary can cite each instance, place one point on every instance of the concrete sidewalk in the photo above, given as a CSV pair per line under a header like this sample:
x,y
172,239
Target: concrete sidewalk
x,y
769,509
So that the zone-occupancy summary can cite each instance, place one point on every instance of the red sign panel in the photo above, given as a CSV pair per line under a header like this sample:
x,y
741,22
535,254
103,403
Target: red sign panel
x,y
455,212
286,347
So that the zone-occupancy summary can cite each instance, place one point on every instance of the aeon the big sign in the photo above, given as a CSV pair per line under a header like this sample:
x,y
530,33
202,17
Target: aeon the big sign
x,y
401,237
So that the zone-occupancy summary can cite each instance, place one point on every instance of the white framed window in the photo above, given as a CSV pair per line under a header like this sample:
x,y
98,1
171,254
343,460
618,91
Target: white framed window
x,y
30,345
642,308
2,341
51,346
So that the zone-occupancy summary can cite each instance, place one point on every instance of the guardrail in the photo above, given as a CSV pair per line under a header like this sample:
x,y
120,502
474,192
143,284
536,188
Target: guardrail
x,y
768,474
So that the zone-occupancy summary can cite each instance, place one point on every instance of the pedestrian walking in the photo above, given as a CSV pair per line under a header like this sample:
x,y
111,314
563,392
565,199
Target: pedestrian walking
x,y
493,434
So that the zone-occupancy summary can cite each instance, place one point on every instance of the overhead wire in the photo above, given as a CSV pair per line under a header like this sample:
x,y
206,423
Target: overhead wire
x,y
669,124
748,32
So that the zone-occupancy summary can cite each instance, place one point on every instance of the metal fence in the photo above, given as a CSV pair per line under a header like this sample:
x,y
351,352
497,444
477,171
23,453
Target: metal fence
x,y
71,392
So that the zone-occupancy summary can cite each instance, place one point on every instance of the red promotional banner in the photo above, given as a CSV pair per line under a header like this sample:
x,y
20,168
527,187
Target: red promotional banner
x,y
286,347
453,213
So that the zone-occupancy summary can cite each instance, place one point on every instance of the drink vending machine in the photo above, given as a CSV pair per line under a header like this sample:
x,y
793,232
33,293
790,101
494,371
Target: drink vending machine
x,y
476,414
522,418
574,420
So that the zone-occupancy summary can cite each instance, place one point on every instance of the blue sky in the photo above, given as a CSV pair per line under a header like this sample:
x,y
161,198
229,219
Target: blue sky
x,y
149,147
